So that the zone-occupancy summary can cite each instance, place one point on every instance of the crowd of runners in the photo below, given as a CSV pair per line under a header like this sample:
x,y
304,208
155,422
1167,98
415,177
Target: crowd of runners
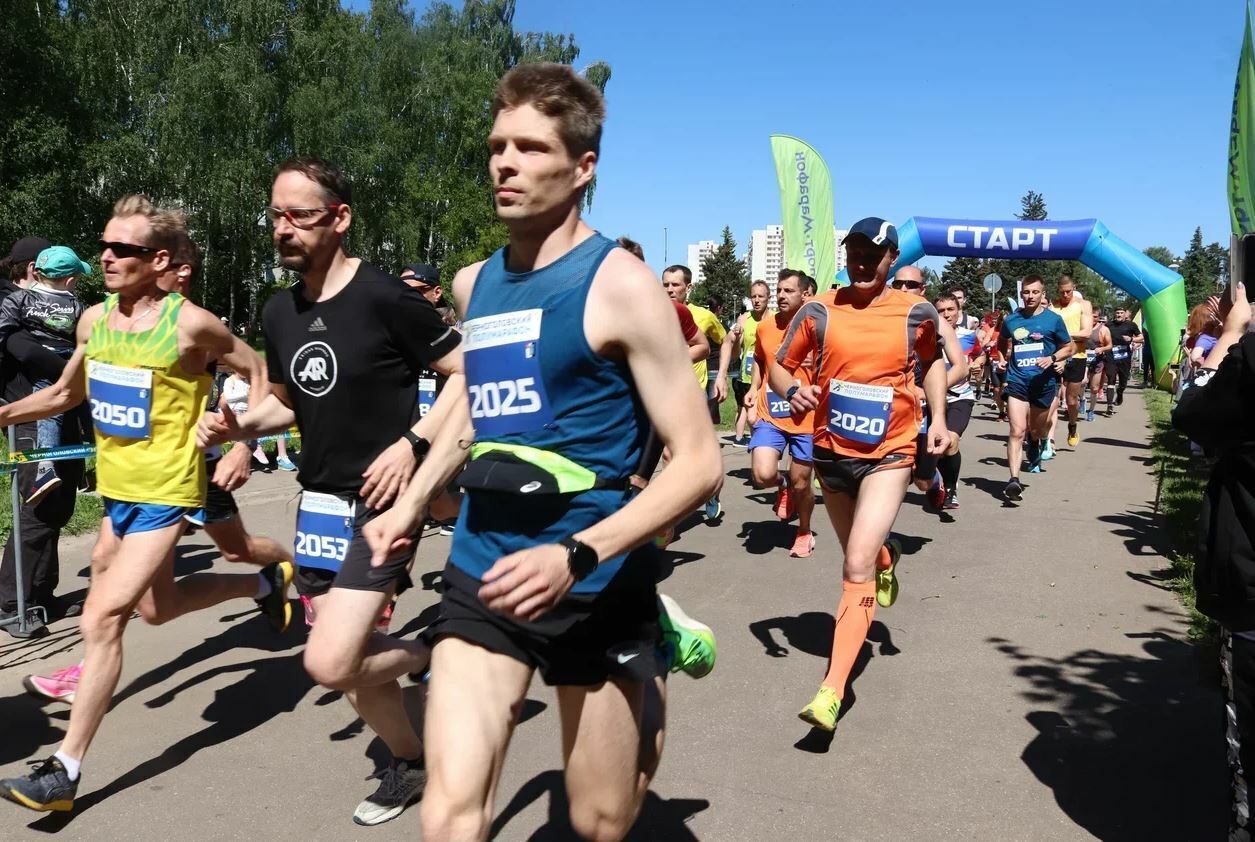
x,y
537,413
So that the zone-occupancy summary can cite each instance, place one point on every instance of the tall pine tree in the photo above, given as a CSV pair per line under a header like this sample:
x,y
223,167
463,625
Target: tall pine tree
x,y
1202,267
725,280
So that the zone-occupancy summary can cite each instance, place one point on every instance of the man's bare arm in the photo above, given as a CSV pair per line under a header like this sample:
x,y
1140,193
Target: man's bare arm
x,y
70,389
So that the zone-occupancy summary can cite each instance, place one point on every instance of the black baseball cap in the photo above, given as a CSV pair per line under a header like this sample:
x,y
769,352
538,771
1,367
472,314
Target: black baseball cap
x,y
424,273
27,249
877,230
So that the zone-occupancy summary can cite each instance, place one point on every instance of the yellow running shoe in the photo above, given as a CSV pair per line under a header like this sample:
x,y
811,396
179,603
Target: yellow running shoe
x,y
887,579
822,710
1074,439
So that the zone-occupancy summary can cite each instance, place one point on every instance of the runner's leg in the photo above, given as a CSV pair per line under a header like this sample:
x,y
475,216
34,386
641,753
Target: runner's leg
x,y
1017,415
238,546
800,475
765,467
865,523
345,652
115,591
610,758
473,702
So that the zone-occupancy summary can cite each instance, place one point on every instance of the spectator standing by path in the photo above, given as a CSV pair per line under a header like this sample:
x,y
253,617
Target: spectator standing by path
x,y
25,360
235,389
1219,414
49,311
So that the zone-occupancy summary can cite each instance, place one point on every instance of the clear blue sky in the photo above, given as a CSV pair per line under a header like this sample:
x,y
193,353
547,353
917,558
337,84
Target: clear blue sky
x,y
1114,109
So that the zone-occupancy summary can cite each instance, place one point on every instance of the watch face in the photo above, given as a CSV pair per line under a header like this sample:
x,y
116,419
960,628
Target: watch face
x,y
581,558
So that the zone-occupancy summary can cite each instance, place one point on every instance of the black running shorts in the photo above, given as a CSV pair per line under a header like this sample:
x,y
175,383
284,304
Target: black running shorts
x,y
1074,370
845,474
355,572
582,642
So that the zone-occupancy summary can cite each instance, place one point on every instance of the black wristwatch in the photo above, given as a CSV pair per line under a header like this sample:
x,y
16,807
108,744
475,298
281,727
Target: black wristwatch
x,y
792,390
581,558
419,444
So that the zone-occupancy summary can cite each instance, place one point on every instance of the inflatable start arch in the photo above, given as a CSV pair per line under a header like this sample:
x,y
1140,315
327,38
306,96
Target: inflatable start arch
x,y
1160,290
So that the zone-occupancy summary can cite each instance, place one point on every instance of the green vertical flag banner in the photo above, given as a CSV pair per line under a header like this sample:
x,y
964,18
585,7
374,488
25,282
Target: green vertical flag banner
x,y
806,205
1242,141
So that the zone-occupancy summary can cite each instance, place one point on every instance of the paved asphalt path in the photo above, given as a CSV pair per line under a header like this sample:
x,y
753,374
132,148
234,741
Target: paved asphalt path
x,y
1031,683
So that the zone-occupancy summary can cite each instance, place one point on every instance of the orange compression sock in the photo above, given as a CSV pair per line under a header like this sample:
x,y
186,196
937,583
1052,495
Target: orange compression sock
x,y
854,618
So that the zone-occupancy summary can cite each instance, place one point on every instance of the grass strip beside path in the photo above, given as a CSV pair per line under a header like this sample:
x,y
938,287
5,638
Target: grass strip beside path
x,y
1181,480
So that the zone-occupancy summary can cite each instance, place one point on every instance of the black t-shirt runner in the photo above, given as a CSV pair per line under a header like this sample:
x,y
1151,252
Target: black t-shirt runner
x,y
1122,334
350,365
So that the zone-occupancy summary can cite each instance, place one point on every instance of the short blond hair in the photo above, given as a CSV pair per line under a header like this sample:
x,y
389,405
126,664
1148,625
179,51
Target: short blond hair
x,y
167,228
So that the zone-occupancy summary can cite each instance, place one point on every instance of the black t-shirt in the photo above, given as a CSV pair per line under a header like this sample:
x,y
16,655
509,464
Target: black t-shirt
x,y
350,365
1122,333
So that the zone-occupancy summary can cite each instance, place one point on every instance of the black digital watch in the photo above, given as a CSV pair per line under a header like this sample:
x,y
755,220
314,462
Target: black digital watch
x,y
580,558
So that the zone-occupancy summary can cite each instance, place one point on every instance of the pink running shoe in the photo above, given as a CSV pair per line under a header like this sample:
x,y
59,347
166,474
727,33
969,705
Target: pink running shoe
x,y
385,617
803,545
59,686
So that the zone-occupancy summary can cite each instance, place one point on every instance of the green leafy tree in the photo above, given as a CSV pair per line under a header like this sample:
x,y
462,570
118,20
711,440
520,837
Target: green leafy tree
x,y
196,113
724,280
1161,255
967,274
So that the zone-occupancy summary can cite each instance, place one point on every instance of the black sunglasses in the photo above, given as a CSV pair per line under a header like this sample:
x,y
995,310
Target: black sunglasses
x,y
126,249
907,285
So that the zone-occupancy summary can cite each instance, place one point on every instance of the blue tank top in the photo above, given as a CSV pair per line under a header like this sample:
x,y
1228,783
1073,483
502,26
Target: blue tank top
x,y
533,381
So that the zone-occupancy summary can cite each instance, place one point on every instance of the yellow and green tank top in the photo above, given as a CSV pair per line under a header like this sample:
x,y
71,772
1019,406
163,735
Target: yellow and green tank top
x,y
145,408
749,335
1072,316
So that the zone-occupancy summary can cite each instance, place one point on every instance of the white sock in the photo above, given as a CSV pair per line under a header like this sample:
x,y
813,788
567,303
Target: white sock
x,y
71,765
264,587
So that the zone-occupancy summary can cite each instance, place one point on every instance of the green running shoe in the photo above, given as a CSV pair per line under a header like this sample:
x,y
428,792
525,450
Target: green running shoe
x,y
887,579
690,644
823,710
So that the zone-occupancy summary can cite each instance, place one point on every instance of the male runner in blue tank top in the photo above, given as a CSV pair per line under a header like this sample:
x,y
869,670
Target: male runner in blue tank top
x,y
570,352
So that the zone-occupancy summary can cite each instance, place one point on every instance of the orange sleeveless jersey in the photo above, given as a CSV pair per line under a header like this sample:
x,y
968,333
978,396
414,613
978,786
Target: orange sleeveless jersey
x,y
865,365
770,333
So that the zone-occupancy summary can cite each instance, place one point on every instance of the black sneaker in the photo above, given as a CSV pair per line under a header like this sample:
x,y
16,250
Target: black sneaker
x,y
952,499
47,788
400,785
1014,490
275,604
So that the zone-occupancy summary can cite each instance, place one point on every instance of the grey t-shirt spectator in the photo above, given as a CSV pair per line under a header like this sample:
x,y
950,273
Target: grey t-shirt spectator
x,y
48,315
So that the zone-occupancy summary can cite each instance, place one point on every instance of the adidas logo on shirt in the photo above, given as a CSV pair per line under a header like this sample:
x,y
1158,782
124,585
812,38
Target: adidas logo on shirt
x,y
317,325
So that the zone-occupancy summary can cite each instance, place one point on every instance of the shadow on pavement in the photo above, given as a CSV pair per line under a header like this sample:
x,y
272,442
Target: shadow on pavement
x,y
22,652
992,487
1132,745
1143,532
193,558
253,634
763,536
269,687
1136,445
669,560
27,729
659,819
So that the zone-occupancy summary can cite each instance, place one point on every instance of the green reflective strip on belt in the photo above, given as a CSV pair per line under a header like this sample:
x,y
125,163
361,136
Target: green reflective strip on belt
x,y
570,476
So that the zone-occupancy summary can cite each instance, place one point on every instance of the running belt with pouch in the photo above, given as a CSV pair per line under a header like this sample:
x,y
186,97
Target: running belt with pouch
x,y
519,469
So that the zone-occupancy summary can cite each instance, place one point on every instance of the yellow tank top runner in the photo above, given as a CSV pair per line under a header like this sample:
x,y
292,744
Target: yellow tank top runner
x,y
1072,315
145,408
